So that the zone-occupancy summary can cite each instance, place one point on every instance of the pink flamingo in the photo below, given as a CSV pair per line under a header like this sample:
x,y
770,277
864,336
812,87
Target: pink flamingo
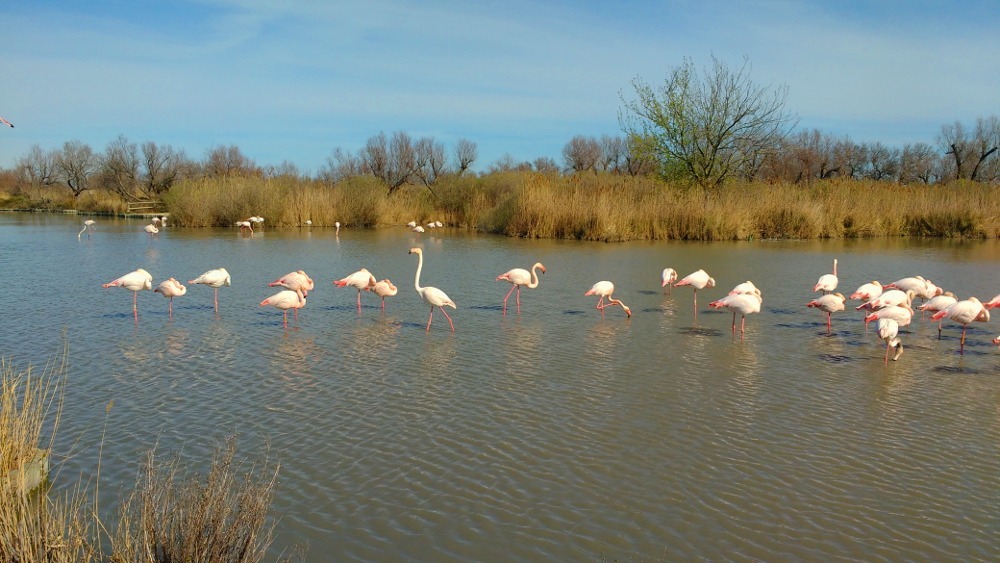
x,y
992,303
360,280
295,280
697,280
151,230
827,282
938,303
604,289
742,303
922,288
88,225
829,303
215,279
997,341
431,295
888,330
170,288
135,282
902,314
668,278
866,292
284,300
518,277
889,298
964,312
245,226
745,288
383,288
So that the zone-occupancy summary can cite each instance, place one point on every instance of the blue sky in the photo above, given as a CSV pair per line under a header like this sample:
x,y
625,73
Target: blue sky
x,y
293,80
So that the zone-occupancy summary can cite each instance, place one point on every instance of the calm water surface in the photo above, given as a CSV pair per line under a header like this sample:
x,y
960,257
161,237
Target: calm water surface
x,y
552,434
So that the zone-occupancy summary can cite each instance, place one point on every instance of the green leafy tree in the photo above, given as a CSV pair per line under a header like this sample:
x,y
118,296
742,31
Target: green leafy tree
x,y
715,125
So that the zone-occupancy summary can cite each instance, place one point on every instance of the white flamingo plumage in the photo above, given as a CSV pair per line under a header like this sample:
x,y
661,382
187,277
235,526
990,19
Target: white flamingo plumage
x,y
828,303
744,303
136,281
297,280
901,313
964,312
922,288
383,288
360,280
888,330
245,226
698,280
746,287
992,303
938,303
604,289
827,283
88,226
151,230
518,277
285,300
418,229
868,291
215,279
667,278
170,288
431,295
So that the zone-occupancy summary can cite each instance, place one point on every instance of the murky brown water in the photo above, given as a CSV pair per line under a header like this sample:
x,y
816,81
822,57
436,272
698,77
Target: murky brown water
x,y
552,434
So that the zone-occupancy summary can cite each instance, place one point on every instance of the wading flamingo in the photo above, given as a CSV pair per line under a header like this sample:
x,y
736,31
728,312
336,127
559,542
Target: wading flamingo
x,y
668,278
383,288
297,280
939,303
747,288
151,230
742,303
518,277
697,280
964,312
337,226
827,282
245,226
418,229
829,303
170,288
360,280
135,282
604,289
887,330
285,300
902,314
431,295
922,288
215,279
992,303
88,226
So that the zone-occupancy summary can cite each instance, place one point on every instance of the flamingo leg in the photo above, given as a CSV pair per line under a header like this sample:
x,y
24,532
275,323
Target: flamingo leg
x,y
829,323
383,304
512,288
447,317
743,326
939,328
518,298
961,348
430,318
734,322
135,307
216,299
285,319
170,308
359,301
295,314
696,303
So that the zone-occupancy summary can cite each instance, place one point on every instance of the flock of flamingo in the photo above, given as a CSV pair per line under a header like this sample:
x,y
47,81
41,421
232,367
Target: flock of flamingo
x,y
891,305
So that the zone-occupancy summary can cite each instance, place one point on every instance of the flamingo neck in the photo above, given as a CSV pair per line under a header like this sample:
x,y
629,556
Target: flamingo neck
x,y
534,277
416,279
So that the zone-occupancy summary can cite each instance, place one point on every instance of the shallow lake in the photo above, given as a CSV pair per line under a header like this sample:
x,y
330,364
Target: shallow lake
x,y
549,434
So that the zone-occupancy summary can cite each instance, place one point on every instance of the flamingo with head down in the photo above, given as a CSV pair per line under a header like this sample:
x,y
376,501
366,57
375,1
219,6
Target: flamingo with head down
x,y
667,279
170,288
431,295
888,330
744,303
88,226
604,289
518,277
383,288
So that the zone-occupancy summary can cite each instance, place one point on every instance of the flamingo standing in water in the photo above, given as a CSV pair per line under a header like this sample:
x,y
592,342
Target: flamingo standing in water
x,y
697,280
170,288
964,312
151,230
215,279
743,303
285,300
827,282
939,303
866,292
383,288
888,330
667,279
829,303
337,226
992,303
245,225
295,281
135,282
360,280
88,226
431,295
518,277
604,289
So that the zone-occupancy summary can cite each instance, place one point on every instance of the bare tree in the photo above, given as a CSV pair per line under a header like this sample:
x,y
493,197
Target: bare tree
x,y
161,168
546,165
970,151
392,161
120,168
341,165
507,163
581,154
466,153
882,162
430,161
37,168
918,163
612,153
228,162
76,165
711,124
637,160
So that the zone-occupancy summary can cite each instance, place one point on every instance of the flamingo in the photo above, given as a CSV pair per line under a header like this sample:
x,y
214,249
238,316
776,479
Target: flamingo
x,y
697,280
431,295
922,288
902,314
745,288
667,279
170,288
868,291
964,312
135,282
418,229
888,299
829,303
285,300
518,277
215,279
88,225
604,289
438,224
245,225
362,279
151,230
156,221
939,303
992,303
827,282
411,224
256,221
297,280
383,288
888,330
742,303
337,225
997,341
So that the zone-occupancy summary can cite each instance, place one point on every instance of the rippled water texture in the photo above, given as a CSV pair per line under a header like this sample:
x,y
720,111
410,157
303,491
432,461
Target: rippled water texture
x,y
553,434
